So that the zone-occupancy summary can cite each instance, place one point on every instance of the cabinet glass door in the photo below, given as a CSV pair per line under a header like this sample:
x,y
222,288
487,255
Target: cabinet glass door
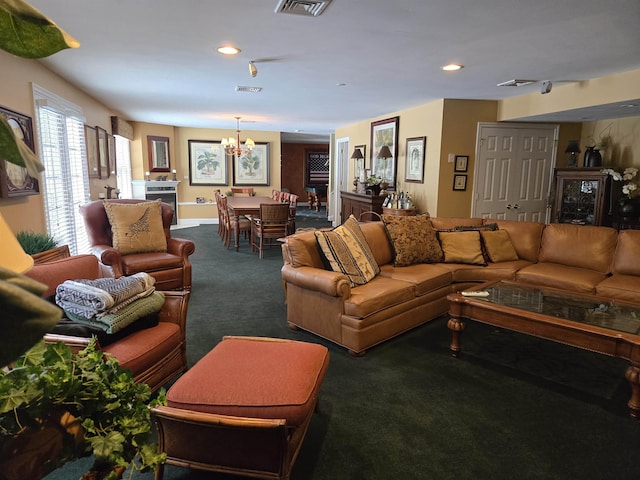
x,y
578,204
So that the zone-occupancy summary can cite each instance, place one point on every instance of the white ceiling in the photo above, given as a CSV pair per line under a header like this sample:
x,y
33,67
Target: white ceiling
x,y
156,61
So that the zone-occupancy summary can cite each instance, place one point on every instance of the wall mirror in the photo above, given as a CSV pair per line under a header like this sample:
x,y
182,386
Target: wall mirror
x,y
158,148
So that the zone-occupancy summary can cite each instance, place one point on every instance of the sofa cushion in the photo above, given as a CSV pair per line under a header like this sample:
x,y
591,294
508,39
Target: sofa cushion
x,y
620,287
378,240
413,238
626,259
142,349
346,250
254,378
579,246
498,246
462,247
379,294
554,275
136,227
425,277
526,237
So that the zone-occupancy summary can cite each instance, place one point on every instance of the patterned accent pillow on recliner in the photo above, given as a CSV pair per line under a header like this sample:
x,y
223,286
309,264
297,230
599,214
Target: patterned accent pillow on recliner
x,y
136,227
346,250
414,239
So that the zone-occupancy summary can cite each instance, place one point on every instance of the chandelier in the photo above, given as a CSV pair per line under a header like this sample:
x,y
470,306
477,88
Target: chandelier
x,y
232,145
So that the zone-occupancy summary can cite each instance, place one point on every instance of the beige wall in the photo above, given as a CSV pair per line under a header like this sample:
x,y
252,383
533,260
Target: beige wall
x,y
625,141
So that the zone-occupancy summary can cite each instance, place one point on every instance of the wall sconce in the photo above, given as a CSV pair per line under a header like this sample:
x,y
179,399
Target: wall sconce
x,y
573,149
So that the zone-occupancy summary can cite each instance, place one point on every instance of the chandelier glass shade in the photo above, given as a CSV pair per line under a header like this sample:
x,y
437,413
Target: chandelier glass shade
x,y
232,146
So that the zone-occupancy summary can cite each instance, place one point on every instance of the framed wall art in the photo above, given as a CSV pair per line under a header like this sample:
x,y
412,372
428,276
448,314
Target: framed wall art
x,y
111,152
91,141
15,181
414,162
385,132
460,182
158,148
461,164
103,152
316,168
207,163
252,168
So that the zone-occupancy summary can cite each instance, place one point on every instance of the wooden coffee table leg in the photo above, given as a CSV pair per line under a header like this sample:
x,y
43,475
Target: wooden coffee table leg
x,y
633,376
457,326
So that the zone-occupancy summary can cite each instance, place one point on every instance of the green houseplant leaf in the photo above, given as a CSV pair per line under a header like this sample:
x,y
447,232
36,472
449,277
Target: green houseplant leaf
x,y
27,33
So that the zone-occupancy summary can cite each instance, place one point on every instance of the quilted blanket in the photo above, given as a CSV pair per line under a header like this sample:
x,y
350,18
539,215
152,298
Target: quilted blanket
x,y
90,298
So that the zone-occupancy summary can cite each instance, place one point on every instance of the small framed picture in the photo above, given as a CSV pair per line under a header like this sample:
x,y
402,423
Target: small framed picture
x,y
459,182
414,161
462,163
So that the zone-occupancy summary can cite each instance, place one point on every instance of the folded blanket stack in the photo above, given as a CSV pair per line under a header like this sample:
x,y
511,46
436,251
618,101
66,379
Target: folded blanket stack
x,y
110,303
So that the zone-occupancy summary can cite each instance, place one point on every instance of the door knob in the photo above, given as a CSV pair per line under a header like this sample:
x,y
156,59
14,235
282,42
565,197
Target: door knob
x,y
509,206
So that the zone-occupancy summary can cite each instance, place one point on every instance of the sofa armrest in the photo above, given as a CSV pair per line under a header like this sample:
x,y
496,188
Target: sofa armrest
x,y
330,283
109,257
175,307
56,272
180,247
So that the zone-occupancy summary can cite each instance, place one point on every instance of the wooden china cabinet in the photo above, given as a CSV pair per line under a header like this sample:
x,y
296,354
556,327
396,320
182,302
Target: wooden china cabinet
x,y
582,196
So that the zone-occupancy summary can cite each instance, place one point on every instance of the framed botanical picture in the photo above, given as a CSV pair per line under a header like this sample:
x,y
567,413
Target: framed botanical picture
x,y
459,182
385,133
462,163
207,163
91,140
252,168
15,181
103,153
414,162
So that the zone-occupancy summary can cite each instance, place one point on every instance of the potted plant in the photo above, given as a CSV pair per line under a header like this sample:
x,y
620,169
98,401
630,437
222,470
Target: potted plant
x,y
56,406
33,242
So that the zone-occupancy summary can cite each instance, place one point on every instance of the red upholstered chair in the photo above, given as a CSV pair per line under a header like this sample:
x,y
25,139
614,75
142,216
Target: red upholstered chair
x,y
171,269
244,408
154,355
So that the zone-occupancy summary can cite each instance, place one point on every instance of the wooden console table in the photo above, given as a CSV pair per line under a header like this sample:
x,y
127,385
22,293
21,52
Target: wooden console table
x,y
357,203
400,212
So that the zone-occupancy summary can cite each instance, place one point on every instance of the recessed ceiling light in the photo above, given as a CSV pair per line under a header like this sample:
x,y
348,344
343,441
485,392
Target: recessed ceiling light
x,y
228,50
452,67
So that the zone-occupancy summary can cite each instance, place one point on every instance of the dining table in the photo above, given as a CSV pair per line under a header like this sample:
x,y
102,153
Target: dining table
x,y
239,206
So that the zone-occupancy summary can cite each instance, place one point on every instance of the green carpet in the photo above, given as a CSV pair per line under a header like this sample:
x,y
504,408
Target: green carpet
x,y
511,407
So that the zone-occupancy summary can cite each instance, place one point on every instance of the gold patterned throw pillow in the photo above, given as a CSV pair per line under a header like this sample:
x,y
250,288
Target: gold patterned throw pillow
x,y
346,250
414,239
136,227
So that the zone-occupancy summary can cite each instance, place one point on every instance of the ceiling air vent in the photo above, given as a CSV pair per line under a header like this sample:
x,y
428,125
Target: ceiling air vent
x,y
248,89
302,7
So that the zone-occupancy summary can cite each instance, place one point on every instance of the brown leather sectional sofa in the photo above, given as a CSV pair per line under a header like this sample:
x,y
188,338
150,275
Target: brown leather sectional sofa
x,y
583,259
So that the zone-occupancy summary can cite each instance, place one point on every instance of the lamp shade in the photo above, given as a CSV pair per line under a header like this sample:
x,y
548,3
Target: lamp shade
x,y
12,255
357,154
385,152
572,147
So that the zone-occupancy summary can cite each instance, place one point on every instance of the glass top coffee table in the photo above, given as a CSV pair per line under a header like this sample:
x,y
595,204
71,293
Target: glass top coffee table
x,y
585,321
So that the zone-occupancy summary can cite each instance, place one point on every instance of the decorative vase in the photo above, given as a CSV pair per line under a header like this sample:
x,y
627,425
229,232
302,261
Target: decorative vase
x,y
592,157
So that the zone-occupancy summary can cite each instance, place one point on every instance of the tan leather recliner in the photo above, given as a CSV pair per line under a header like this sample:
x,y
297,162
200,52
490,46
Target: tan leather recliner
x,y
171,269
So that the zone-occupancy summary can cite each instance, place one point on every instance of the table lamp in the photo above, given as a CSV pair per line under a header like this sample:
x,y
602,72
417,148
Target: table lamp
x,y
384,154
356,156
573,149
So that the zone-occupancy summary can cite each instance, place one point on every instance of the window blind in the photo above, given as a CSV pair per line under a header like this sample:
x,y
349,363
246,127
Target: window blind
x,y
123,156
65,182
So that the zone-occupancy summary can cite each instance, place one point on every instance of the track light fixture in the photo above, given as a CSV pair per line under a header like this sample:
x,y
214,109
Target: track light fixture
x,y
253,71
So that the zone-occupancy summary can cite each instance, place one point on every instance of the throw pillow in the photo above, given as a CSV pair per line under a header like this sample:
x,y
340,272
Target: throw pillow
x,y
136,227
346,250
414,239
498,246
462,247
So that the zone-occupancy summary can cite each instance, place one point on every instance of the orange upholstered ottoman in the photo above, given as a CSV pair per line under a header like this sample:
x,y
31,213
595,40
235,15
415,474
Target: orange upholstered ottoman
x,y
244,407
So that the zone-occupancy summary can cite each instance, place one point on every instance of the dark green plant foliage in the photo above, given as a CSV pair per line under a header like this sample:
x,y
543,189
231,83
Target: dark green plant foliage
x,y
32,242
112,408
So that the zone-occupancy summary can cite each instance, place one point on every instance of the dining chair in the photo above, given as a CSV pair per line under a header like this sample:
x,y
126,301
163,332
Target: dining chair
x,y
248,191
293,204
284,197
217,194
275,195
229,225
271,225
